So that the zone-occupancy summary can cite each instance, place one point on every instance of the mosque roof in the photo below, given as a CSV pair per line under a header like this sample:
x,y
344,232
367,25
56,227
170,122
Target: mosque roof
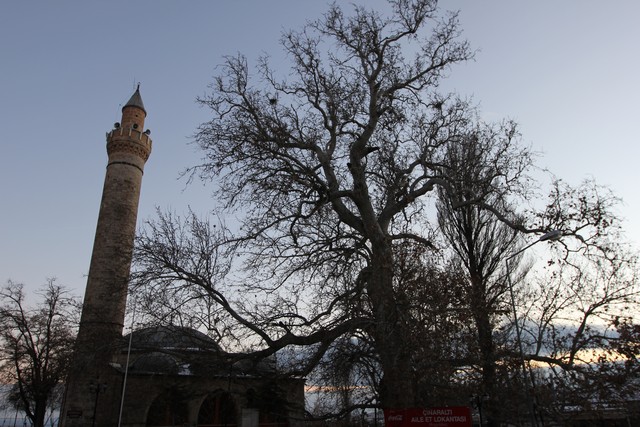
x,y
171,337
156,362
171,349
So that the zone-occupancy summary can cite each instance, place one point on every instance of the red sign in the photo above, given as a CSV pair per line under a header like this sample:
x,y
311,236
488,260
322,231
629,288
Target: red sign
x,y
448,416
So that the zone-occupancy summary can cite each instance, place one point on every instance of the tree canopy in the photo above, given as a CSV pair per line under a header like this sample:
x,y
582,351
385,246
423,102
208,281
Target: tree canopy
x,y
352,196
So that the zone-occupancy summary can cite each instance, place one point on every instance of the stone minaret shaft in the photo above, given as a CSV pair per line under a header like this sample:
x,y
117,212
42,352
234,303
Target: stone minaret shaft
x,y
106,294
103,312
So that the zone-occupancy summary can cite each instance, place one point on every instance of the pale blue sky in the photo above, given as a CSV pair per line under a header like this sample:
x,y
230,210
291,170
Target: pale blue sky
x,y
567,71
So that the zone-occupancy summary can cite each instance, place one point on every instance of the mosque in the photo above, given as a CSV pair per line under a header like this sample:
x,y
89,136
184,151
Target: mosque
x,y
164,375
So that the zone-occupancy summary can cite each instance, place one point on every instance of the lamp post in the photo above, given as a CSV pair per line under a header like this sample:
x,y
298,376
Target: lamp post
x,y
126,368
96,387
551,235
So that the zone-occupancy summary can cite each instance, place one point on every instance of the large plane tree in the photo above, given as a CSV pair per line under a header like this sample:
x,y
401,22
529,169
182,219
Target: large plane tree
x,y
323,175
327,171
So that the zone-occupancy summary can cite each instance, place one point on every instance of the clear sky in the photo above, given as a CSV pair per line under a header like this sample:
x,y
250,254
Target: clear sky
x,y
567,71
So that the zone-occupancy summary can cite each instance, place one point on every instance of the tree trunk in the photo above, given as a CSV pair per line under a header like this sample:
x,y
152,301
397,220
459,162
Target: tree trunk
x,y
397,389
487,363
486,347
40,411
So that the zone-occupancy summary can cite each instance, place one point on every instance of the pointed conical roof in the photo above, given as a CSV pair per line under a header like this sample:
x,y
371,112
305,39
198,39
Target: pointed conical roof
x,y
135,101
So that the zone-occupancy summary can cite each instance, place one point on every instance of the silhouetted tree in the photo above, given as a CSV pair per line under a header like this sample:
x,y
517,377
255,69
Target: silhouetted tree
x,y
577,316
329,175
326,167
484,169
36,344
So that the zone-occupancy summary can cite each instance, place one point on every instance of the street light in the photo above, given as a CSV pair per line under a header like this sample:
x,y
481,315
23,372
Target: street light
x,y
551,235
96,387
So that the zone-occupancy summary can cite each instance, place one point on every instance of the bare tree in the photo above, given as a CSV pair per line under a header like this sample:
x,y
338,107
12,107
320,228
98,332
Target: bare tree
x,y
588,282
329,175
486,169
577,328
326,172
583,303
36,346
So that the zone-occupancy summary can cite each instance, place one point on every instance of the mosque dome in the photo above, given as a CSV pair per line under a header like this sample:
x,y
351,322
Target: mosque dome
x,y
178,350
170,337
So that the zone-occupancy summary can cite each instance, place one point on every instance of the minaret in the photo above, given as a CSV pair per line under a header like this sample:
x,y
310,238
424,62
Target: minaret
x,y
92,395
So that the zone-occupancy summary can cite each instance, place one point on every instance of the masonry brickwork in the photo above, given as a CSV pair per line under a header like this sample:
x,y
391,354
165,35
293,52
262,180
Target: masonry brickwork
x,y
93,386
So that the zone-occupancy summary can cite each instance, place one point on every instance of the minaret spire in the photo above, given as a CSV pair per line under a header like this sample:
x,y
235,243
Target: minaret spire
x,y
136,101
103,312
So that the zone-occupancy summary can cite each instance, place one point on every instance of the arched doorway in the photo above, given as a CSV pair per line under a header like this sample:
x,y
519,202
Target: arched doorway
x,y
218,410
168,409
